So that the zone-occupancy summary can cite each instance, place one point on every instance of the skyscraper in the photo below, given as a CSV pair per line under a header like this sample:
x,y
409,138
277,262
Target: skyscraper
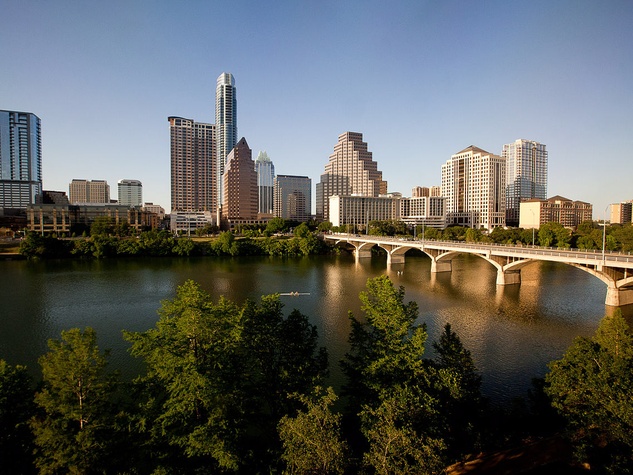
x,y
226,124
473,182
193,170
350,170
293,197
526,175
265,182
130,192
20,159
240,184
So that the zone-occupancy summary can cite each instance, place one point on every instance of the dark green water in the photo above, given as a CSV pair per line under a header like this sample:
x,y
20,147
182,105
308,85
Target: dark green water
x,y
512,332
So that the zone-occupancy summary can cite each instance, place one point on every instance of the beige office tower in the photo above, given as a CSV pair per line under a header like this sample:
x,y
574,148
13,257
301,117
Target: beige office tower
x,y
474,184
240,200
350,171
193,179
88,191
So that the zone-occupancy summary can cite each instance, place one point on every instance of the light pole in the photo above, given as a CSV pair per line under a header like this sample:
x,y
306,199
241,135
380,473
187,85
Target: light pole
x,y
604,234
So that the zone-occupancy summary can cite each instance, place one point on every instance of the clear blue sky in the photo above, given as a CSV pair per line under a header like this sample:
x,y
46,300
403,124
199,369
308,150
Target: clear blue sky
x,y
420,79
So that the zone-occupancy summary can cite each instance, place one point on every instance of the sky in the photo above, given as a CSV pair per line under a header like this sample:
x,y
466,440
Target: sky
x,y
421,80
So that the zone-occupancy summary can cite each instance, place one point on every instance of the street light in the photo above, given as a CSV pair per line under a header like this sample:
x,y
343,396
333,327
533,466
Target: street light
x,y
604,234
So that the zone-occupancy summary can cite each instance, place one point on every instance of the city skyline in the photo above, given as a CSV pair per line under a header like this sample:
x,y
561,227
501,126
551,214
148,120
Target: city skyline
x,y
102,79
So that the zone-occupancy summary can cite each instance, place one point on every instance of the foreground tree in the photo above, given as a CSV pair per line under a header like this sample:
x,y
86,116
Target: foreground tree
x,y
74,432
591,386
312,441
16,408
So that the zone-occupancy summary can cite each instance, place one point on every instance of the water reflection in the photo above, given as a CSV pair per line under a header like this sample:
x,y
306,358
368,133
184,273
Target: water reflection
x,y
512,331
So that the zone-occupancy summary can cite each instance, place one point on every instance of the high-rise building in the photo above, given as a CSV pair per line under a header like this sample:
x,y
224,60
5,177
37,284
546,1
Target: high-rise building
x,y
265,182
419,191
226,124
350,171
193,166
130,192
293,197
20,159
240,184
473,182
622,213
88,191
526,175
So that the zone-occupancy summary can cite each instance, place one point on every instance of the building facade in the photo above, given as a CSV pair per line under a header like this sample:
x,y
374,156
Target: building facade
x,y
622,213
193,170
130,192
474,184
240,185
350,171
265,183
293,197
88,191
358,211
20,159
526,175
557,209
226,125
427,211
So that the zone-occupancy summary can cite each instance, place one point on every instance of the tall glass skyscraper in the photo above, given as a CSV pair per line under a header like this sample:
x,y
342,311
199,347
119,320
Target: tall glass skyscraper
x,y
225,123
20,159
526,175
265,182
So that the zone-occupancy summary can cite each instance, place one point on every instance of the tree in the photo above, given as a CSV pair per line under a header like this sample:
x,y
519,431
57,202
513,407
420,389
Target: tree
x,y
74,432
16,408
459,394
102,225
302,231
312,441
192,357
591,386
276,225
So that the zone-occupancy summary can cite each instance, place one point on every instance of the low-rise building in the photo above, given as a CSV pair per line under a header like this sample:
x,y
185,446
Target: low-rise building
x,y
622,213
557,209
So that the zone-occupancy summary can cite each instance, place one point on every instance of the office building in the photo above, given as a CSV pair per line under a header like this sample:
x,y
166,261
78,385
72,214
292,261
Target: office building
x,y
293,197
526,175
622,213
358,211
419,191
88,191
20,159
226,124
473,182
265,183
240,185
193,170
423,211
130,192
557,209
350,171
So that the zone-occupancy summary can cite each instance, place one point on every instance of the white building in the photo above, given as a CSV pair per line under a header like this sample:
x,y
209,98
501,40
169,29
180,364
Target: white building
x,y
265,183
130,192
360,210
225,125
427,211
474,184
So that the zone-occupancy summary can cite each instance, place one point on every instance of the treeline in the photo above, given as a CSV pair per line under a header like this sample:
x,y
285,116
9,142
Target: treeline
x,y
234,388
588,235
163,243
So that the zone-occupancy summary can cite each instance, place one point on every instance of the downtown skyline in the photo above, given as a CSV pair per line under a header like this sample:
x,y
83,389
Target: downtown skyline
x,y
420,82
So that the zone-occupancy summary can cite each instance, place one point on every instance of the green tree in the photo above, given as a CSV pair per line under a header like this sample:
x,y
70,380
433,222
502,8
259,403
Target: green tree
x,y
591,386
16,408
195,396
396,443
276,225
324,227
74,433
312,440
102,225
302,231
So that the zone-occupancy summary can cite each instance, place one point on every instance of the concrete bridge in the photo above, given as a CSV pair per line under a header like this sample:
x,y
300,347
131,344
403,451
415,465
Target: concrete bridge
x,y
614,269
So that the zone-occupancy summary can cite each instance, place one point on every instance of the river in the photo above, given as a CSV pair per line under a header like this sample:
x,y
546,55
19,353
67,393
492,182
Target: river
x,y
512,332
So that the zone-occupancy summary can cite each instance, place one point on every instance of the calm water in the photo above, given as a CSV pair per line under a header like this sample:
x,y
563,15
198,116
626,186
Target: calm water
x,y
512,332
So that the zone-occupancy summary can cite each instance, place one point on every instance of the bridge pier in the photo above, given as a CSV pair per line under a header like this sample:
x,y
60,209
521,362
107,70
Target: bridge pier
x,y
619,297
362,253
441,266
395,258
508,277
